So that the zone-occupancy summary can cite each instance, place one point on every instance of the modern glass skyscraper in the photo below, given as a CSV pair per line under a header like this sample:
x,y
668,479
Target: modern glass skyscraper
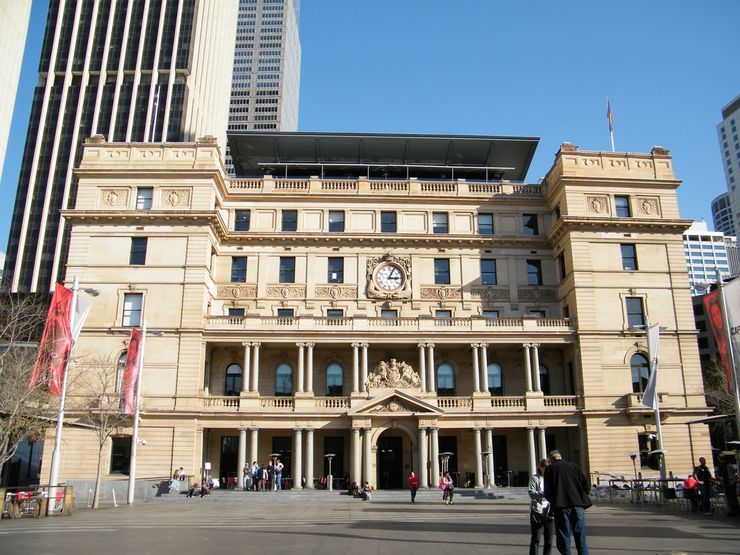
x,y
267,68
726,209
129,70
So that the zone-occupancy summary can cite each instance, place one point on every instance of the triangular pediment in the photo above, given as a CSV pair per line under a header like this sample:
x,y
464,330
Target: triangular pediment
x,y
395,401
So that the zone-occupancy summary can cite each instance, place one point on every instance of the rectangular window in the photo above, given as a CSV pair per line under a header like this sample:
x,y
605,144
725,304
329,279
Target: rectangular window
x,y
120,455
537,313
566,311
289,220
285,313
529,224
242,220
236,312
137,256
443,314
622,206
334,313
389,313
388,222
144,196
635,312
132,309
488,271
534,272
336,270
287,269
485,224
442,271
490,314
440,222
238,269
336,221
629,256
561,266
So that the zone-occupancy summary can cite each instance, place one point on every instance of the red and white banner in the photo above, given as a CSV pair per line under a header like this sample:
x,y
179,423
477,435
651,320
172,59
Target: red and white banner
x,y
131,372
731,293
713,312
55,344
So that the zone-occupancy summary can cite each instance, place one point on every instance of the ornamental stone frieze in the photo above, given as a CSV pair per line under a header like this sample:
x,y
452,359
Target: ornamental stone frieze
x,y
393,405
286,292
537,294
490,294
237,292
441,293
388,277
114,198
598,205
393,374
648,206
335,292
175,198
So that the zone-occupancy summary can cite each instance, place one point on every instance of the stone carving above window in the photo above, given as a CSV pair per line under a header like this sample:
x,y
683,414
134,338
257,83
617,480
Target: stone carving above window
x,y
176,198
237,291
114,198
597,205
441,293
393,374
490,294
537,294
648,206
336,292
286,292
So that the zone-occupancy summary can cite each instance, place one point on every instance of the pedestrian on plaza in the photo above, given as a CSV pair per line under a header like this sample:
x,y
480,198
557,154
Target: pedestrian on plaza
x,y
566,489
690,492
413,483
174,482
256,473
279,475
704,476
727,472
448,488
181,475
264,477
246,477
541,521
270,485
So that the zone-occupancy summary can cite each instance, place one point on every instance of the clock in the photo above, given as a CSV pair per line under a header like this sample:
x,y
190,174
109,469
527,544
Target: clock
x,y
389,277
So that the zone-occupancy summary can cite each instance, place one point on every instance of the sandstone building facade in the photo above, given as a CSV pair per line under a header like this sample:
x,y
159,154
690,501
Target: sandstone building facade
x,y
402,302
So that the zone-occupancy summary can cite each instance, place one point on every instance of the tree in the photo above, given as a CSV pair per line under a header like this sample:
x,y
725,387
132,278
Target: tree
x,y
24,412
96,402
719,396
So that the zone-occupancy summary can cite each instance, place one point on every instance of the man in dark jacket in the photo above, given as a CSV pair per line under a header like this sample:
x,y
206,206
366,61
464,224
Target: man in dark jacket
x,y
566,488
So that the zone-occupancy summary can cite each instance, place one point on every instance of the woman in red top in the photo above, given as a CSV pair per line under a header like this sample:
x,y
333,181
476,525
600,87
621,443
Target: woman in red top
x,y
413,482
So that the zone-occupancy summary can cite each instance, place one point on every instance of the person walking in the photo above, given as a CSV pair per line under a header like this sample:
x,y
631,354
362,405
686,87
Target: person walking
x,y
704,476
566,489
541,521
448,488
279,475
727,472
413,483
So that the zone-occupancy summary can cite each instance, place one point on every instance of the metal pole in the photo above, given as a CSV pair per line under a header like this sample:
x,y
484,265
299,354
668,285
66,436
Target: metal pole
x,y
55,456
137,410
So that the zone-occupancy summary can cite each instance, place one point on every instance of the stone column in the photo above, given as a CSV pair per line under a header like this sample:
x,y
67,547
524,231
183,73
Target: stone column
x,y
423,459
245,371
422,367
476,369
478,459
253,444
356,457
430,368
207,371
536,364
355,367
363,375
241,458
255,367
309,459
484,366
435,457
367,458
298,459
530,452
541,440
309,368
301,368
490,459
527,367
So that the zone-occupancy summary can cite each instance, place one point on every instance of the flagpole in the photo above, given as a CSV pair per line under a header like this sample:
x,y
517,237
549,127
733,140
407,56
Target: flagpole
x,y
55,455
610,117
730,354
658,427
137,409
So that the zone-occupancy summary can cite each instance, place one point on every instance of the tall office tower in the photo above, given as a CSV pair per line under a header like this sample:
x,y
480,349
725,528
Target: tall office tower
x,y
130,70
706,252
13,26
730,149
722,214
267,68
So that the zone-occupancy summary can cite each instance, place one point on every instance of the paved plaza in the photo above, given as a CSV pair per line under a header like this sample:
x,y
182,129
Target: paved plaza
x,y
328,523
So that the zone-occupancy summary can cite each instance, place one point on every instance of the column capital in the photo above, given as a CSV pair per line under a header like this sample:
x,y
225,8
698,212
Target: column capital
x,y
482,345
421,345
309,344
256,344
356,344
526,345
300,344
534,345
246,343
364,345
430,345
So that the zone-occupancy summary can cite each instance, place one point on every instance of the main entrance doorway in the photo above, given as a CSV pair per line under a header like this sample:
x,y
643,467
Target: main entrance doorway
x,y
390,462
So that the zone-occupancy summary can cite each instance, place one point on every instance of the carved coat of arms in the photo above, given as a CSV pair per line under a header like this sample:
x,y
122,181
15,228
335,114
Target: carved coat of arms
x,y
393,374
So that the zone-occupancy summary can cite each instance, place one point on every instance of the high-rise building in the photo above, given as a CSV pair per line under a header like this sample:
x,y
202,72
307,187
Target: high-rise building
x,y
729,144
13,26
267,68
722,216
706,253
130,70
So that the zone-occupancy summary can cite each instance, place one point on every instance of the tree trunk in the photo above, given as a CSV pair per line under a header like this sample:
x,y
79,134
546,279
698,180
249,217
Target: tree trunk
x,y
96,496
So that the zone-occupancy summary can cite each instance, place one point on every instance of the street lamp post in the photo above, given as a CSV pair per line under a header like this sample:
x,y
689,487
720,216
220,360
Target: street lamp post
x,y
329,478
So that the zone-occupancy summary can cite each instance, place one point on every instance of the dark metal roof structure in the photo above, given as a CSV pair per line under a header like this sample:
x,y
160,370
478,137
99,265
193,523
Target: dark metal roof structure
x,y
379,155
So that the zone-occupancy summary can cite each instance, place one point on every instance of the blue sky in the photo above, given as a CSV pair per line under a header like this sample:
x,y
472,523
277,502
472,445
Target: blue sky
x,y
493,67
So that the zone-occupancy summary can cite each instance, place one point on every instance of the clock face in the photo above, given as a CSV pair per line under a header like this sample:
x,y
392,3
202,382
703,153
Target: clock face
x,y
389,277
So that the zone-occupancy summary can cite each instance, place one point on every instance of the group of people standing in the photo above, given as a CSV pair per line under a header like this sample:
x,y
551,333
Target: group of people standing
x,y
697,487
268,477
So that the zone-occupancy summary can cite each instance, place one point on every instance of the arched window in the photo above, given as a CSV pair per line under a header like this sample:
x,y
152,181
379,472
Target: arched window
x,y
233,384
334,380
284,380
544,379
640,372
495,379
445,380
120,367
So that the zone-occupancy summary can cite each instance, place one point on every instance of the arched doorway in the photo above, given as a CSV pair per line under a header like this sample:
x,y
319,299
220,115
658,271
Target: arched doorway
x,y
391,465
